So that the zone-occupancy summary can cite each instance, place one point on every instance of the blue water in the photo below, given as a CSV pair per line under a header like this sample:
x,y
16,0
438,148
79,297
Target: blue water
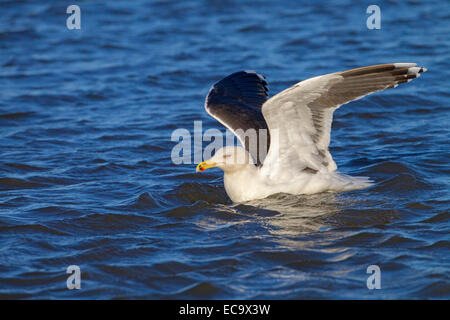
x,y
86,176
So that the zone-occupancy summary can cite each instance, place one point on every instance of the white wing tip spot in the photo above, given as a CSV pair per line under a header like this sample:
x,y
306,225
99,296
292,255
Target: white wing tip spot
x,y
404,65
417,70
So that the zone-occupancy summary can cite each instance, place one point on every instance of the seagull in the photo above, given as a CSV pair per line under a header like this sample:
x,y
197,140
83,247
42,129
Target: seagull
x,y
293,156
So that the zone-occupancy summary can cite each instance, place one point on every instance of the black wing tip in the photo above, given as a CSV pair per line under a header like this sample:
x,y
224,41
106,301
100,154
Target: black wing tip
x,y
245,86
249,74
242,77
407,72
260,76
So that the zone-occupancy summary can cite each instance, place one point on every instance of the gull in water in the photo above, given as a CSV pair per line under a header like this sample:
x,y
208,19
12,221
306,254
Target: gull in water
x,y
294,157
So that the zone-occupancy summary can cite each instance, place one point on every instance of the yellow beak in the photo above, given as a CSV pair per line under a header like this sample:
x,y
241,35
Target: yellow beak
x,y
205,165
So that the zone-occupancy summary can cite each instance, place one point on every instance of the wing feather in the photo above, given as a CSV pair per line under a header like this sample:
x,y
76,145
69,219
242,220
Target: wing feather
x,y
300,117
236,102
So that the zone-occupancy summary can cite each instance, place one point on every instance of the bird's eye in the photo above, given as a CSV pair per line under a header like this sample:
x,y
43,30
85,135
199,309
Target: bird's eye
x,y
226,156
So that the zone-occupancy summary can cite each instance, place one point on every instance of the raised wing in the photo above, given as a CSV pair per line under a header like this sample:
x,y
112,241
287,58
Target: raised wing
x,y
236,101
299,118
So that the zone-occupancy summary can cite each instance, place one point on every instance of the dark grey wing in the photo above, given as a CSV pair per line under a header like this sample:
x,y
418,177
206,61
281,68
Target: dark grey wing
x,y
236,101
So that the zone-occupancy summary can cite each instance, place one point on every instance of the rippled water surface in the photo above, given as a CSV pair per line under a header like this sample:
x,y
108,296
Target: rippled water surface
x,y
86,176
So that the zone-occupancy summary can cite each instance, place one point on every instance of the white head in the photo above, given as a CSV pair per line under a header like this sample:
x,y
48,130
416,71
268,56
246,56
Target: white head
x,y
228,159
